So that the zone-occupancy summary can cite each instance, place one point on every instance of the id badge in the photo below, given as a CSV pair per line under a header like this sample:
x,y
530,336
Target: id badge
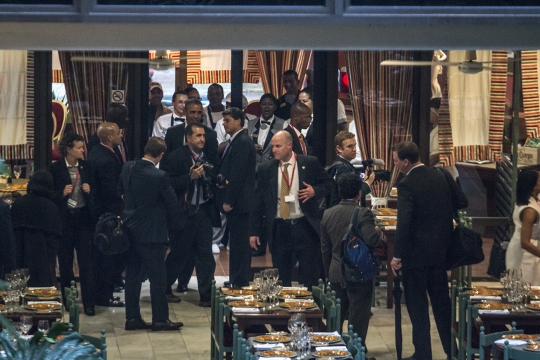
x,y
71,203
289,198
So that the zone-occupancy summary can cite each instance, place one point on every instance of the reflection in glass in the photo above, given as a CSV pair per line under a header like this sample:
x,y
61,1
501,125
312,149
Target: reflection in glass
x,y
215,2
455,3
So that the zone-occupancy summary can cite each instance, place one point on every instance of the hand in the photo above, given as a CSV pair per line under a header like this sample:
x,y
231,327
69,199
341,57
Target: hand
x,y
369,179
307,193
254,241
167,252
380,233
86,188
68,189
396,266
227,208
195,173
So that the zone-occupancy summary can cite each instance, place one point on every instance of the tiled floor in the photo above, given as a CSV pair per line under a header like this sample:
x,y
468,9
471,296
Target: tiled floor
x,y
193,341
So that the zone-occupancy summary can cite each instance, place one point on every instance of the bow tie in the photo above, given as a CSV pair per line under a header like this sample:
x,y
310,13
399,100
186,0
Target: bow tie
x,y
265,122
179,119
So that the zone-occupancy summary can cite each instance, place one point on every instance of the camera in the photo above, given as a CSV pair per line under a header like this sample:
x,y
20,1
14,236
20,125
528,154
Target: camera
x,y
206,179
207,167
383,175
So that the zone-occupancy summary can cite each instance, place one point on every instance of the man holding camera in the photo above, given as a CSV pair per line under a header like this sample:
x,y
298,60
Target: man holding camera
x,y
191,178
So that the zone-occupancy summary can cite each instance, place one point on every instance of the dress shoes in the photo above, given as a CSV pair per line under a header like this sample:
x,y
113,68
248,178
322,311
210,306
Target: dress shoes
x,y
171,298
181,289
114,302
137,324
89,311
206,304
167,325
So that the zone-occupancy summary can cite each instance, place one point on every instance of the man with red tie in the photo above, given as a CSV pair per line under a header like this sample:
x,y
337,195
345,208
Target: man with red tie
x,y
300,119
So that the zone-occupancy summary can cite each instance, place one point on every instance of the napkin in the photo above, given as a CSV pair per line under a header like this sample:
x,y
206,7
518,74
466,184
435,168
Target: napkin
x,y
343,348
239,298
264,346
506,311
300,300
335,333
535,302
485,297
245,309
511,342
44,302
294,288
42,288
276,358
390,227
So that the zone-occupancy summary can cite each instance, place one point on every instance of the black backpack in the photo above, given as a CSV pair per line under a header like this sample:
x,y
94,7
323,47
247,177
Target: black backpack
x,y
111,237
331,199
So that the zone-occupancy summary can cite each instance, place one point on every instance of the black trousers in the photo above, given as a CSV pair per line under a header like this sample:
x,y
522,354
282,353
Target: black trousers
x,y
301,240
240,251
77,234
146,259
417,284
107,269
193,245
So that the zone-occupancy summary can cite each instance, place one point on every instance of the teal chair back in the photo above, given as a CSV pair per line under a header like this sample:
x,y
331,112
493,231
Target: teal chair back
x,y
489,339
332,311
218,333
518,353
356,349
72,304
347,335
472,314
237,344
318,294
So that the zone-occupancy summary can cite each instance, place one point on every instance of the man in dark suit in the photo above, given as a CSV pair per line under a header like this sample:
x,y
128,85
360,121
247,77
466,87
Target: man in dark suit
x,y
7,240
293,221
355,296
290,83
193,243
118,114
175,137
107,166
427,203
300,120
235,194
149,207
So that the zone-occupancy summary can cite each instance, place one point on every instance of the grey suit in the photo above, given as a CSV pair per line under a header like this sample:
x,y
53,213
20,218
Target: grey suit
x,y
253,128
355,297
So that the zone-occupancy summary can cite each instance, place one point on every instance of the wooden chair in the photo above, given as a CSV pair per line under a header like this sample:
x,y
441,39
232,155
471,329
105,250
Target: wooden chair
x,y
72,304
221,343
356,349
489,339
318,293
254,108
100,344
472,338
332,310
458,320
347,336
513,353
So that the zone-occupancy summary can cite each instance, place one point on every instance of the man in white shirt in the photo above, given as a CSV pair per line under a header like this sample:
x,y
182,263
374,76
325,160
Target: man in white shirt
x,y
176,118
215,109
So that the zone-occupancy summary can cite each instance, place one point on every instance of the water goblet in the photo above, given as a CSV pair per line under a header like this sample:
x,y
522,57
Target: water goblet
x,y
257,279
525,291
43,326
26,323
25,274
16,171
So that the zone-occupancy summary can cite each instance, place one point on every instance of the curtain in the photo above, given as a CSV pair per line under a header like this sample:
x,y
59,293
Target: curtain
x,y
382,105
471,116
16,104
529,69
272,64
88,87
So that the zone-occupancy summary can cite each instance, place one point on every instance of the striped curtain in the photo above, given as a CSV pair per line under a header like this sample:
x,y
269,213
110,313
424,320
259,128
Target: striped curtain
x,y
531,104
491,148
272,64
382,105
25,150
88,87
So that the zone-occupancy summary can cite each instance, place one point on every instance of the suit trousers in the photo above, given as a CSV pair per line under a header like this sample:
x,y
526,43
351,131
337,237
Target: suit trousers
x,y
298,239
77,234
240,251
417,284
359,296
195,247
146,259
107,268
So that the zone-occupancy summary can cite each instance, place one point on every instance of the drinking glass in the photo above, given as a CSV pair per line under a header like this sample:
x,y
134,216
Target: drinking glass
x,y
7,197
25,274
17,326
26,322
504,281
274,274
525,292
16,171
43,326
23,290
257,280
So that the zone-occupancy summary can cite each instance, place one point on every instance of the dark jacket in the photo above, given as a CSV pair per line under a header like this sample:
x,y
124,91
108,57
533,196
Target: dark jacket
x,y
107,166
426,204
253,129
175,140
238,169
61,178
341,166
309,170
334,225
149,202
296,147
7,239
94,140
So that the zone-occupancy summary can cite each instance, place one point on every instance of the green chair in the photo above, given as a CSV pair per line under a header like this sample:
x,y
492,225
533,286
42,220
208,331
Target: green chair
x,y
356,349
237,353
516,353
332,311
99,343
72,304
220,342
489,339
472,314
457,329
347,335
318,293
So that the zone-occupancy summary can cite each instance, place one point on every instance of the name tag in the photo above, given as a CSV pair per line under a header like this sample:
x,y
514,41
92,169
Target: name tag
x,y
72,203
289,198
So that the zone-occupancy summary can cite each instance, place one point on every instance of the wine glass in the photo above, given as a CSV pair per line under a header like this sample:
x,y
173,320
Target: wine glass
x,y
23,289
257,280
525,292
16,171
26,322
25,273
43,326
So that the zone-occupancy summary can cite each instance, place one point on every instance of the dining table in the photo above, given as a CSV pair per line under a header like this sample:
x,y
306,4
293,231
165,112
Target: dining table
x,y
274,316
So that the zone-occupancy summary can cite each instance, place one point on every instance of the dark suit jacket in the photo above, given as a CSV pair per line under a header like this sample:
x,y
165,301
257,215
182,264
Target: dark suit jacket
x,y
94,140
334,225
267,194
7,239
341,167
296,147
107,167
61,178
238,168
253,131
175,140
426,204
149,202
178,168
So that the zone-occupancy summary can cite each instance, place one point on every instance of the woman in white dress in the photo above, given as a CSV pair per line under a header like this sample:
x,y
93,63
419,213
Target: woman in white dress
x,y
523,251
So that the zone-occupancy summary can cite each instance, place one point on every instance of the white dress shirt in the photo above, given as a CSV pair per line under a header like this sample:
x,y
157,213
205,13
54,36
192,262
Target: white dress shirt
x,y
295,210
164,122
263,133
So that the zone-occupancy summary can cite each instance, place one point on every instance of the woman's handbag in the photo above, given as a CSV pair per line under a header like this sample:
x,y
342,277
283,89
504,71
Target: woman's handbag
x,y
465,248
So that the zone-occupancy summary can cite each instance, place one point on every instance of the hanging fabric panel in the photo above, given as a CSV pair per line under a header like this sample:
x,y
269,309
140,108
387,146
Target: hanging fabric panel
x,y
88,87
382,105
272,64
18,133
531,103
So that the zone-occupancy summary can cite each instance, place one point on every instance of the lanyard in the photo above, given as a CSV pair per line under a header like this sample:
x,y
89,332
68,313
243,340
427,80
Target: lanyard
x,y
76,179
289,183
302,142
111,150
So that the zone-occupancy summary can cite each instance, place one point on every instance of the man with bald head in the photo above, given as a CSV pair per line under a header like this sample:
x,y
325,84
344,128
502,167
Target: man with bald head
x,y
287,209
118,114
107,166
300,120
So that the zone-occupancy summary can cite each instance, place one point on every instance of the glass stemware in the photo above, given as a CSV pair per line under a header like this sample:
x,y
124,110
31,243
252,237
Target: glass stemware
x,y
43,326
25,274
26,323
16,171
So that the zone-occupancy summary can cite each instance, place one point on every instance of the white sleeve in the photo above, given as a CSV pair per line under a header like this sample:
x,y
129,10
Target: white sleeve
x,y
341,114
159,130
220,132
